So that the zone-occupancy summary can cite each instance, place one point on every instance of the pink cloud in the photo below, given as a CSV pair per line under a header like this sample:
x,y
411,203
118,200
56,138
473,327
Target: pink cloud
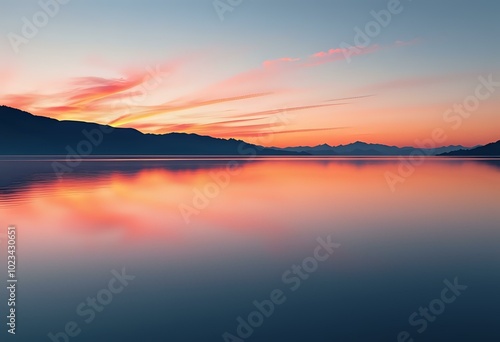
x,y
21,101
92,97
346,53
329,53
97,99
278,62
272,74
340,54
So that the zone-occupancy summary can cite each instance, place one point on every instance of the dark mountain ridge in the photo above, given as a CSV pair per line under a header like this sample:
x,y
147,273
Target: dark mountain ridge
x,y
22,133
489,150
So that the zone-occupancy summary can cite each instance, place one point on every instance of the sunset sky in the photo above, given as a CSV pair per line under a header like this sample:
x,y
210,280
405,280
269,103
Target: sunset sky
x,y
273,72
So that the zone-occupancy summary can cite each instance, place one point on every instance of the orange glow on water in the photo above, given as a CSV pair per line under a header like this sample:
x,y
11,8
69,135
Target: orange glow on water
x,y
256,201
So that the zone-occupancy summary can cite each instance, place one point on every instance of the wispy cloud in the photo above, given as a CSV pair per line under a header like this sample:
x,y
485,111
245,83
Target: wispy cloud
x,y
152,111
416,82
88,97
334,55
270,112
101,99
340,54
279,62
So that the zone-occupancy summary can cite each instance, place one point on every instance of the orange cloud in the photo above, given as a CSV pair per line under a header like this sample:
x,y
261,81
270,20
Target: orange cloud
x,y
163,109
91,97
266,113
249,133
101,99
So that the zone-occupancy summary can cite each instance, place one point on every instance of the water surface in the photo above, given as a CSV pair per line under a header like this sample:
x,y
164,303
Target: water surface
x,y
205,238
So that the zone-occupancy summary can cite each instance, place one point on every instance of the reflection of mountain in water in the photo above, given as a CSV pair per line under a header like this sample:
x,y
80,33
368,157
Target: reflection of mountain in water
x,y
19,174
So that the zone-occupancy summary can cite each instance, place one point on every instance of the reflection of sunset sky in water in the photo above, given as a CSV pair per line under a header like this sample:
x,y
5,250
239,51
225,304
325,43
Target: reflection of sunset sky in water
x,y
262,198
442,222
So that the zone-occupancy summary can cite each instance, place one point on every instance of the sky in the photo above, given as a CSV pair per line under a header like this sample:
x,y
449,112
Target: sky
x,y
277,73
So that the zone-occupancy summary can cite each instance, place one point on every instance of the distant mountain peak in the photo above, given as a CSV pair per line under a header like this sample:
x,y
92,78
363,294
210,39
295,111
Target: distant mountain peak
x,y
492,149
6,110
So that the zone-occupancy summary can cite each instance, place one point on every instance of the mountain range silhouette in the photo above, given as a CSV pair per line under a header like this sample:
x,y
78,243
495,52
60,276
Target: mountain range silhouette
x,y
22,133
489,150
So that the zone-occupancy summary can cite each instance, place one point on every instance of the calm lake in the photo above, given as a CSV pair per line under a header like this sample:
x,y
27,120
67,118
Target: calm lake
x,y
275,249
